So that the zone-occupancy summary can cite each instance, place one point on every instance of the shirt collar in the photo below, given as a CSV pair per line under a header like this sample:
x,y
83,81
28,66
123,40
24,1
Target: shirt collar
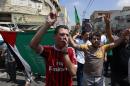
x,y
56,48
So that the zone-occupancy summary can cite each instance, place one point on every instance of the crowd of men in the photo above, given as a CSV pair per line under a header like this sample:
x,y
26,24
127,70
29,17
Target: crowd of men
x,y
61,59
83,53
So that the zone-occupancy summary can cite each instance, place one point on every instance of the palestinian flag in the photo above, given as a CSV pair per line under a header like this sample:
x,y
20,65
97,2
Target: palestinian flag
x,y
26,57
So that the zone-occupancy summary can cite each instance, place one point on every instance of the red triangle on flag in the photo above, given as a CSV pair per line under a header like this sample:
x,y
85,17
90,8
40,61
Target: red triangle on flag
x,y
9,37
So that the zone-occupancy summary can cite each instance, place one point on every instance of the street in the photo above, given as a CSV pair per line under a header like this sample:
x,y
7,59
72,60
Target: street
x,y
37,82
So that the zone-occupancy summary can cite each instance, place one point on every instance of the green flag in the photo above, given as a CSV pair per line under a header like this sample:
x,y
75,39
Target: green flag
x,y
77,20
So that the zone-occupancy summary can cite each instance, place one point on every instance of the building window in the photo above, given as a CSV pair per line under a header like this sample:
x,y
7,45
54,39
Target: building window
x,y
128,18
100,19
37,0
5,17
100,14
117,18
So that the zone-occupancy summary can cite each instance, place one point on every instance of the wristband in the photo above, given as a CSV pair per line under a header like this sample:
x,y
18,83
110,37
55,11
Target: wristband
x,y
65,52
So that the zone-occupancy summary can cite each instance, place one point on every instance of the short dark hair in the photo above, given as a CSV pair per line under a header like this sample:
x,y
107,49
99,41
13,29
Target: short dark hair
x,y
59,27
84,31
98,34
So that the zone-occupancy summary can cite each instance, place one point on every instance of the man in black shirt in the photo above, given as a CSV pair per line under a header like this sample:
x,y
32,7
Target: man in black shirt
x,y
119,62
119,65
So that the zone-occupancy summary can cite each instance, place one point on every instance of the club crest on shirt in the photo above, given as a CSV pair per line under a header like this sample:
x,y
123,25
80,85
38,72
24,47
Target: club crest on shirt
x,y
58,67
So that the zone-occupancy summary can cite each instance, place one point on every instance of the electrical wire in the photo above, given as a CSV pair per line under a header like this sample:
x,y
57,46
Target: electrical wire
x,y
87,7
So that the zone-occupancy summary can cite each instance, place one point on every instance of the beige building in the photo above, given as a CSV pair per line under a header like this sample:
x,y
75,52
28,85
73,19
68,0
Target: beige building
x,y
120,19
25,12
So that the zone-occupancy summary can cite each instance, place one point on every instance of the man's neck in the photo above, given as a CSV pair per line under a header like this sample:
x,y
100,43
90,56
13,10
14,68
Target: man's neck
x,y
58,47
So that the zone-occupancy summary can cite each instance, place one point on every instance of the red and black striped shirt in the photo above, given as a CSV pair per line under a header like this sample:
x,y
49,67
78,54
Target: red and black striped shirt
x,y
56,70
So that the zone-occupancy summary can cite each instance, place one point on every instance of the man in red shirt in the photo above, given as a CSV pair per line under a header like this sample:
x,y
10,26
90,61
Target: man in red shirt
x,y
60,59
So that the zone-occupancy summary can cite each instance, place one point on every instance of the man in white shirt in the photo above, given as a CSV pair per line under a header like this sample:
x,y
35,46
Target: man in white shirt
x,y
83,39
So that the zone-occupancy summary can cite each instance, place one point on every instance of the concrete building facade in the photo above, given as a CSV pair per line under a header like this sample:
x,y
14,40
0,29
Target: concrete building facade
x,y
25,12
120,19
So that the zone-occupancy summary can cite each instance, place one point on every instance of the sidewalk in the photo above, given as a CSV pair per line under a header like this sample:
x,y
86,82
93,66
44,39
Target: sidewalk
x,y
20,80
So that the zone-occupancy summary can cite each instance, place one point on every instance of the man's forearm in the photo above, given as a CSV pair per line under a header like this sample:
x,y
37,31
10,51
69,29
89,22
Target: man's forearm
x,y
109,32
108,28
70,66
38,36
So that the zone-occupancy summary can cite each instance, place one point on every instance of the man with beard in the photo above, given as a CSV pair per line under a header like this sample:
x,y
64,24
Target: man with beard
x,y
94,58
121,56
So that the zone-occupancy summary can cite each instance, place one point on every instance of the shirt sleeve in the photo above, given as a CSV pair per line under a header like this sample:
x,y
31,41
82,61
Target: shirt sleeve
x,y
45,51
106,47
84,46
72,56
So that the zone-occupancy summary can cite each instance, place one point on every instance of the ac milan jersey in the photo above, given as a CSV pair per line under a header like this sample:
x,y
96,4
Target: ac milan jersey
x,y
56,70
